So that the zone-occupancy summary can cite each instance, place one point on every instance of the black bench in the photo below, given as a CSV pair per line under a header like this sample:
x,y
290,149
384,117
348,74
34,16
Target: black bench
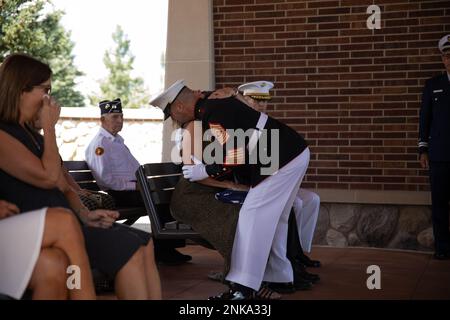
x,y
81,173
156,182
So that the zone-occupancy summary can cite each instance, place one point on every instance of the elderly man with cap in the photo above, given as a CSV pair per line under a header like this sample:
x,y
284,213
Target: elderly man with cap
x,y
114,168
110,160
259,249
434,149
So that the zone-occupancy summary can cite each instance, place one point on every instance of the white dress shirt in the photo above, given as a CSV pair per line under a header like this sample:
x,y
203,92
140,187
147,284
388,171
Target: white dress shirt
x,y
111,162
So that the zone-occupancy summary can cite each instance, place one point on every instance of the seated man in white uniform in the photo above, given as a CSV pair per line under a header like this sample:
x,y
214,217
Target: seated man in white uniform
x,y
114,168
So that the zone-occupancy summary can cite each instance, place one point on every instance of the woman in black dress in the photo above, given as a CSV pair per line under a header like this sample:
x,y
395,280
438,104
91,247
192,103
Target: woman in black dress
x,y
31,177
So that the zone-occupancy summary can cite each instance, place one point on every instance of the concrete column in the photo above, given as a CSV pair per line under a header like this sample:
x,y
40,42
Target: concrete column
x,y
189,52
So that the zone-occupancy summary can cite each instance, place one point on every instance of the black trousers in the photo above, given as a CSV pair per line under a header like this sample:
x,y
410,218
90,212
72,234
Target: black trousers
x,y
294,248
440,197
133,198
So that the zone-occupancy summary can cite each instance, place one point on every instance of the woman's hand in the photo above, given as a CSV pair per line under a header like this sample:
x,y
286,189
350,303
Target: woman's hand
x,y
424,161
7,209
84,192
49,113
223,93
100,218
230,92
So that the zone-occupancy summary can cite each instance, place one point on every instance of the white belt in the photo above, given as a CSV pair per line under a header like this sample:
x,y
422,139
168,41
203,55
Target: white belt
x,y
257,133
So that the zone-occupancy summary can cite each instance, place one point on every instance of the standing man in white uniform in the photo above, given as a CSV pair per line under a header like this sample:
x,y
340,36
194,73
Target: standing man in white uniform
x,y
114,168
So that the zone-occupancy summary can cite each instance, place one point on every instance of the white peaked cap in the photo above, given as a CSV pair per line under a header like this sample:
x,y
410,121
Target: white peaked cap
x,y
164,99
444,43
257,90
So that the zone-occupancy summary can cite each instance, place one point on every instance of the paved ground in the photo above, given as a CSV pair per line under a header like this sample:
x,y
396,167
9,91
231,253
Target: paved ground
x,y
405,275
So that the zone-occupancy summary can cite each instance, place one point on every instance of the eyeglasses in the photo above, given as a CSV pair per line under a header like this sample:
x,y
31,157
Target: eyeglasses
x,y
47,89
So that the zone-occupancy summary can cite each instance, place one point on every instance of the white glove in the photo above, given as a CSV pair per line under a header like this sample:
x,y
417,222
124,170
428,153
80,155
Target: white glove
x,y
195,172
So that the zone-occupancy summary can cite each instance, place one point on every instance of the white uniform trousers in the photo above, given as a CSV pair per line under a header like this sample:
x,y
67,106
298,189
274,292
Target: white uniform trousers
x,y
306,207
259,249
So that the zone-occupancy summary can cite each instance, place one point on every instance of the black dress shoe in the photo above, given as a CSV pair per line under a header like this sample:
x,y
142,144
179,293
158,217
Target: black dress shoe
x,y
171,257
441,256
283,287
302,284
314,278
301,273
234,295
307,262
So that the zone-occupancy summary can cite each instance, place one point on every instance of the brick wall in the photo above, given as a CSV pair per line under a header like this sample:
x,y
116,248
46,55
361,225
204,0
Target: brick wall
x,y
354,93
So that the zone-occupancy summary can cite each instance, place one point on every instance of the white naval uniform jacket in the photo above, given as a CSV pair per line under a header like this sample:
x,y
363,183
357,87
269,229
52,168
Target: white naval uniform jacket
x,y
111,162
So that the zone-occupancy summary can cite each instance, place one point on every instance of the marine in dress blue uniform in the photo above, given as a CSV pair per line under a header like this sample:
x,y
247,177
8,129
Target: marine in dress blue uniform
x,y
434,148
259,249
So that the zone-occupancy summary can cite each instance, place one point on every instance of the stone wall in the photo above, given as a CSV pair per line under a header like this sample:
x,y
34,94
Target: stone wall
x,y
142,131
383,226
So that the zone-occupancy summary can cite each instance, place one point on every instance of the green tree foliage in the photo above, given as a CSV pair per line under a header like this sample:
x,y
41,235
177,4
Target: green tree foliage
x,y
119,83
27,28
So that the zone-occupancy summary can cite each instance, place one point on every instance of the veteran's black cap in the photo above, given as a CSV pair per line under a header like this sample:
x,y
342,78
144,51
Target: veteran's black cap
x,y
113,106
